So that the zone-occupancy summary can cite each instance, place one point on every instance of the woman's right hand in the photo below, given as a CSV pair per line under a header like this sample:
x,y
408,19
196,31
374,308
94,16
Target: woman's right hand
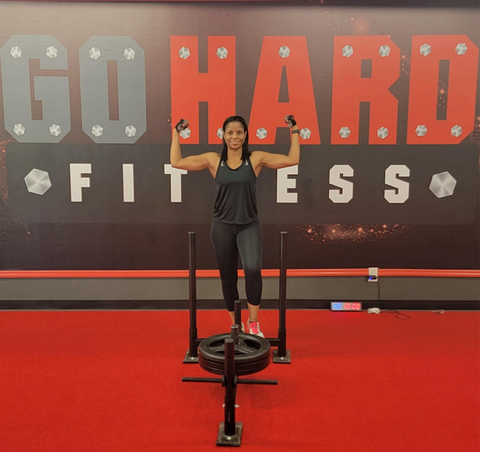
x,y
182,125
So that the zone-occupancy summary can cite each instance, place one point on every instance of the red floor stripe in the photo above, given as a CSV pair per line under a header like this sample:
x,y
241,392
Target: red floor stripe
x,y
313,272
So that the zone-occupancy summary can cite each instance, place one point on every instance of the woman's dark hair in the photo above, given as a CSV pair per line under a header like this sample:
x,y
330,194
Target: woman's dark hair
x,y
245,151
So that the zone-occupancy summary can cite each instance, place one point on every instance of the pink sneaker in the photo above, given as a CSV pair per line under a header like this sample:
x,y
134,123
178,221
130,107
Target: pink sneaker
x,y
254,328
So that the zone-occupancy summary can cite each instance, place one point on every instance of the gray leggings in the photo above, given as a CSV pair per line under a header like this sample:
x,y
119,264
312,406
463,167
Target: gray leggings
x,y
230,240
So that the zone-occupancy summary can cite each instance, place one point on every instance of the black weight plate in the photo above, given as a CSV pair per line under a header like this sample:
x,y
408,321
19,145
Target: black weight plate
x,y
249,348
252,354
240,369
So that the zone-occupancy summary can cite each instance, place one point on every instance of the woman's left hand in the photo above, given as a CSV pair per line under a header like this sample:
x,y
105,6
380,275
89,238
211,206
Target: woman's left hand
x,y
290,121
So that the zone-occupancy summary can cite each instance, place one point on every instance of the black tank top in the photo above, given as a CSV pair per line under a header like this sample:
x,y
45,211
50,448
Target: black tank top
x,y
236,201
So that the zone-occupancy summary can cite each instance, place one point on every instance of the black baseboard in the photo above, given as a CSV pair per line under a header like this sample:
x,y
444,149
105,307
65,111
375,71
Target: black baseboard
x,y
153,305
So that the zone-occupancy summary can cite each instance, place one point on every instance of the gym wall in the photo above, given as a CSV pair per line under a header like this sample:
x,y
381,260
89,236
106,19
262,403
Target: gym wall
x,y
386,95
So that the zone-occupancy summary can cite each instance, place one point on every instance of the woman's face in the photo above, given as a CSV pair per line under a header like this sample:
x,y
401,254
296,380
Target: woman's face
x,y
234,135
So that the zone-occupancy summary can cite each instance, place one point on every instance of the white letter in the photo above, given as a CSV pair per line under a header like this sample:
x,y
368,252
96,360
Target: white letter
x,y
284,183
77,181
345,194
128,183
400,195
175,182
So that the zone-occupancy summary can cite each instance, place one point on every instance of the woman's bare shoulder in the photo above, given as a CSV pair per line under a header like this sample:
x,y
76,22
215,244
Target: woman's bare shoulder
x,y
213,157
256,156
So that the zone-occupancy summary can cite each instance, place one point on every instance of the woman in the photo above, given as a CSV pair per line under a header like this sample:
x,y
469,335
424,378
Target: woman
x,y
235,227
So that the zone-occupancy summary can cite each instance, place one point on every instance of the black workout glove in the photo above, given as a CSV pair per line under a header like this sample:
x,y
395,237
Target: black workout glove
x,y
290,120
182,125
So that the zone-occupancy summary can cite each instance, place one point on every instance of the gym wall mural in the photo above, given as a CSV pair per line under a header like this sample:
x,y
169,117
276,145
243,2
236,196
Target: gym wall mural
x,y
386,98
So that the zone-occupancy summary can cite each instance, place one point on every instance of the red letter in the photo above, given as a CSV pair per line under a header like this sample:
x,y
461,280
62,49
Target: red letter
x,y
267,112
189,87
350,88
427,52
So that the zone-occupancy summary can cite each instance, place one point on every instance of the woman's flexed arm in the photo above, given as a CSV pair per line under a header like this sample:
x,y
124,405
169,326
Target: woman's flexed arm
x,y
193,162
276,161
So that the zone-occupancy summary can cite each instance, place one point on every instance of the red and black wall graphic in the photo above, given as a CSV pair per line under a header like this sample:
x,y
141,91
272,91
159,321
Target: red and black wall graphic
x,y
386,99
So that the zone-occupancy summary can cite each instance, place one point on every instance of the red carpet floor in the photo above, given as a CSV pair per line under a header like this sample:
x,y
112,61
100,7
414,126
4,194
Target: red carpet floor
x,y
111,381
